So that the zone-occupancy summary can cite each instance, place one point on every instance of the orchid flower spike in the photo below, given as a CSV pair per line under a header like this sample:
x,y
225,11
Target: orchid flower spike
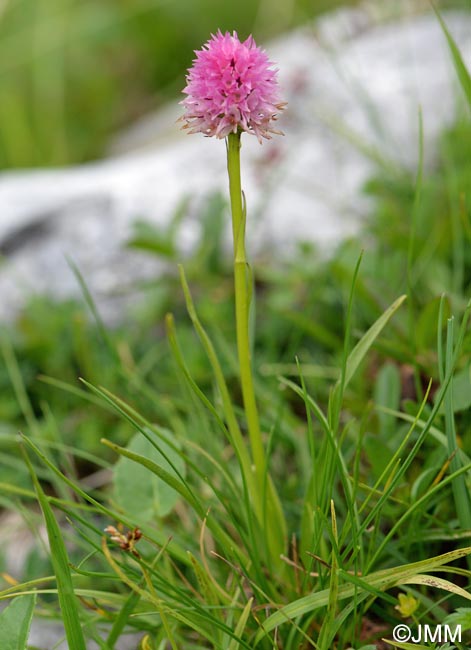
x,y
231,87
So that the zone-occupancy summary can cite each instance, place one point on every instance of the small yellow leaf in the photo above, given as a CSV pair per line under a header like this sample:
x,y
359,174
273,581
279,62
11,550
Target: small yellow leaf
x,y
407,605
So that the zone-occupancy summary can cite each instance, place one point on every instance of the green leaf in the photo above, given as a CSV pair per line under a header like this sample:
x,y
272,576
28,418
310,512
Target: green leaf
x,y
15,622
462,617
134,484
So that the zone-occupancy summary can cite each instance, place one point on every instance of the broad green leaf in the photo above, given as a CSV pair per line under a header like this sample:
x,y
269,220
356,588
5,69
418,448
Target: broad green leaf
x,y
15,621
462,617
158,536
134,484
179,486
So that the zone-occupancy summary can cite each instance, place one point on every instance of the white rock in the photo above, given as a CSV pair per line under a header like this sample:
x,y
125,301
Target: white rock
x,y
338,78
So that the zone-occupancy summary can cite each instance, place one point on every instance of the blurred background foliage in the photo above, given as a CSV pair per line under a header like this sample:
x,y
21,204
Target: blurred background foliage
x,y
73,73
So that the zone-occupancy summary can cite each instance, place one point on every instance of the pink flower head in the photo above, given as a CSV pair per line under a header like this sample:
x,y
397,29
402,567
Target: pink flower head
x,y
231,86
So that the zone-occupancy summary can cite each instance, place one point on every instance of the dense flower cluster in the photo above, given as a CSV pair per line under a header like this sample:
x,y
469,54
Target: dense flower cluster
x,y
231,86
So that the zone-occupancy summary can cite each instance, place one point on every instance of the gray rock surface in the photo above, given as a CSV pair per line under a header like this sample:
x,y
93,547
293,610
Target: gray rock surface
x,y
45,635
347,79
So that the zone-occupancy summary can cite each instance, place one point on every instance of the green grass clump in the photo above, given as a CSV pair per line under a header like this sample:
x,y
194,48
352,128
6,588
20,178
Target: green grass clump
x,y
380,453
362,423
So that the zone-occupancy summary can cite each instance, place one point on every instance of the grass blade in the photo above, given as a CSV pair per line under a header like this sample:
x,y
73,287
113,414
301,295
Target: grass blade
x,y
242,622
60,562
438,583
460,490
380,580
460,67
360,350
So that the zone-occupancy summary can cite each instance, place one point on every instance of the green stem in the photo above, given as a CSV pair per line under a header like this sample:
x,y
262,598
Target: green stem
x,y
242,304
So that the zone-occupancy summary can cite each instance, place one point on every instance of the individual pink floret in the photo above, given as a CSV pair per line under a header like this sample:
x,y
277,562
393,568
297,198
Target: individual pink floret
x,y
231,86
